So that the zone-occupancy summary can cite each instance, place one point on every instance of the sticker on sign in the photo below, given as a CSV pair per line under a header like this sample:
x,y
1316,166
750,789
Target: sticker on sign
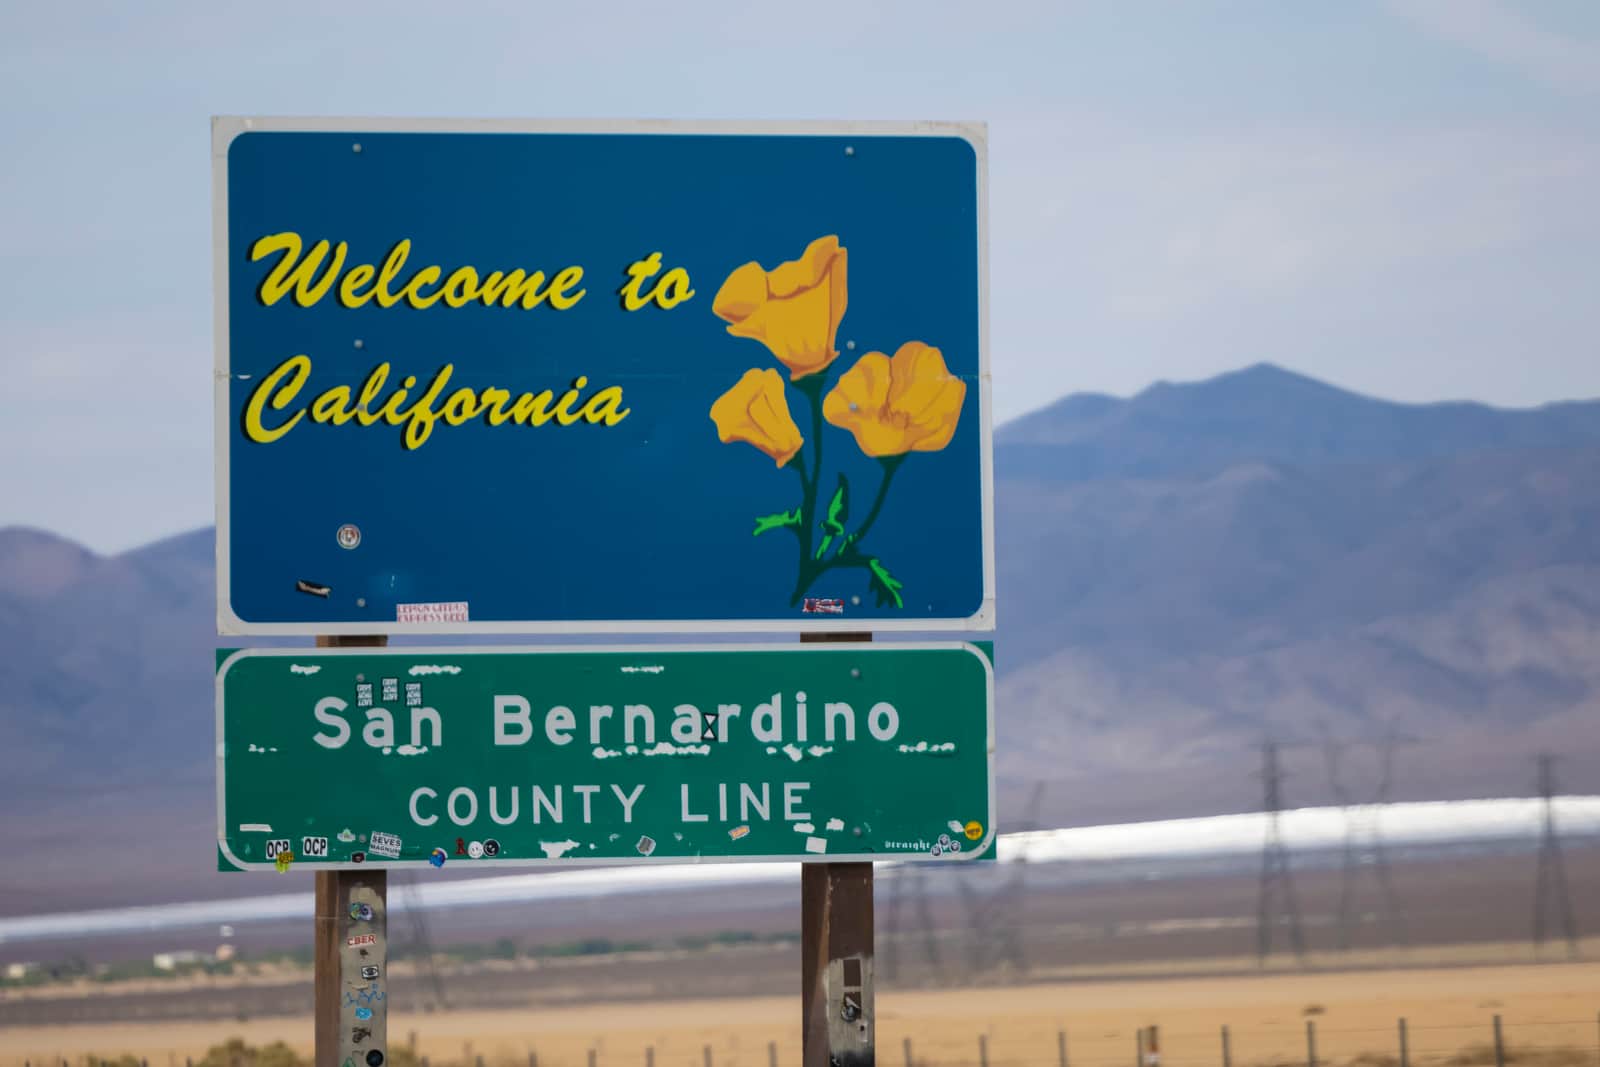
x,y
444,611
382,844
314,846
361,939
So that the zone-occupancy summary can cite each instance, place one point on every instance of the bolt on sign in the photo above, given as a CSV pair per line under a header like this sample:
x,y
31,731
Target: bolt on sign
x,y
517,377
409,757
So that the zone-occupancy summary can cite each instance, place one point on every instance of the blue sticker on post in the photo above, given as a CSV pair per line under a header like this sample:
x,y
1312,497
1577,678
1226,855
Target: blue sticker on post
x,y
751,349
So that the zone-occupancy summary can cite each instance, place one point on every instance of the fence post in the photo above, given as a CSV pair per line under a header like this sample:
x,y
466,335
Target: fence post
x,y
1405,1045
707,1054
772,1054
533,1059
1227,1052
908,1051
649,1056
1138,1048
983,1050
1311,1043
1061,1047
1499,1045
591,1057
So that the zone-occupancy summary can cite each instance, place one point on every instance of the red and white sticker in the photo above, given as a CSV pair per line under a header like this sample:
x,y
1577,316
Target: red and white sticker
x,y
443,611
823,606
361,939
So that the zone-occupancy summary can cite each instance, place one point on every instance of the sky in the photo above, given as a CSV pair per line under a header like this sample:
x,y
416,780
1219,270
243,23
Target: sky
x,y
1396,197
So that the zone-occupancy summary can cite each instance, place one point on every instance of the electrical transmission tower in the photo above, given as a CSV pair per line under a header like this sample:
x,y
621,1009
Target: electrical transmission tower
x,y
1363,835
910,883
422,944
994,935
1550,889
1276,881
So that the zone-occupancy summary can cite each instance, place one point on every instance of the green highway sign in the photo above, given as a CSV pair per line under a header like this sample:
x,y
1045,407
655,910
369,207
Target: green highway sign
x,y
333,758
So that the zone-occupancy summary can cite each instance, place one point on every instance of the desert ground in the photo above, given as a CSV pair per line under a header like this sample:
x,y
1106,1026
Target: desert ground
x,y
1096,959
1548,1012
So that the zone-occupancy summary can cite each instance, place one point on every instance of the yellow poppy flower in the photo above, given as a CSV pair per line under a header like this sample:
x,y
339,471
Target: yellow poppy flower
x,y
756,411
793,310
910,403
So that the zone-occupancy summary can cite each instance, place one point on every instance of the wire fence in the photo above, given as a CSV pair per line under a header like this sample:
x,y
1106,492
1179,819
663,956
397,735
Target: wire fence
x,y
1493,1042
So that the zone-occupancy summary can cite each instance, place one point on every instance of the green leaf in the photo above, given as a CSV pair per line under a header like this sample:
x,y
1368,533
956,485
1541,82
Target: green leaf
x,y
885,584
776,522
838,514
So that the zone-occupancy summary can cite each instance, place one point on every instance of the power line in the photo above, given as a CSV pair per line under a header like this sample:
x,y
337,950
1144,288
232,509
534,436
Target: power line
x,y
1550,885
994,935
910,882
422,943
1363,838
1276,881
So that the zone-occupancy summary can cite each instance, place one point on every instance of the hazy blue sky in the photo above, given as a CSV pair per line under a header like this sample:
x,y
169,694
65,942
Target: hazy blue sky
x,y
1397,197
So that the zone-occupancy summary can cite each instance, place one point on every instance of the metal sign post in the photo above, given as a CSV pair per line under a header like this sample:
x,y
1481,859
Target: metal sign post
x,y
839,1020
350,943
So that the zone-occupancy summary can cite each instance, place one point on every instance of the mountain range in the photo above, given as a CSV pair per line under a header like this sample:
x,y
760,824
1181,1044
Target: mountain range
x,y
1182,575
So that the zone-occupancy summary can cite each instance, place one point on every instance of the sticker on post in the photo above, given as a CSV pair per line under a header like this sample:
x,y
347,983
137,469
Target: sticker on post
x,y
385,845
357,940
441,611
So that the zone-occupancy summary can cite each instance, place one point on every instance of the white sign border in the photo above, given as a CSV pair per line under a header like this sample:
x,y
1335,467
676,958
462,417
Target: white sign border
x,y
224,129
432,653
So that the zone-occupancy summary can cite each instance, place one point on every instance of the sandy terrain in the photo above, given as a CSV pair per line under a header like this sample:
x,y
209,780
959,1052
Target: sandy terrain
x,y
1545,1008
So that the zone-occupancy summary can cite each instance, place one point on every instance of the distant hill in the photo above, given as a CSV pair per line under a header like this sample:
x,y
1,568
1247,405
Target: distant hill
x,y
1265,414
1181,573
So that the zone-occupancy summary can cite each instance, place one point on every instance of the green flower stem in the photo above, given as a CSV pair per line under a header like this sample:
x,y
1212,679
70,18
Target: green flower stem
x,y
849,556
798,464
811,387
890,465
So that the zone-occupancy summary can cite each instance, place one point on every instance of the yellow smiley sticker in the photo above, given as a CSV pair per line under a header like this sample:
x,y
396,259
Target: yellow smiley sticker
x,y
974,830
283,860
